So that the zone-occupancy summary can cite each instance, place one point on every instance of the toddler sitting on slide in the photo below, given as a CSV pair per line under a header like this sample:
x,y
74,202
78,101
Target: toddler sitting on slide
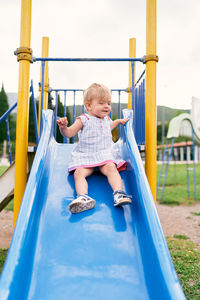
x,y
95,148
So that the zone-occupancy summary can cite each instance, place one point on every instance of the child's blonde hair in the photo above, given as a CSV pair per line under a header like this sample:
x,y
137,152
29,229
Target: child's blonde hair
x,y
96,91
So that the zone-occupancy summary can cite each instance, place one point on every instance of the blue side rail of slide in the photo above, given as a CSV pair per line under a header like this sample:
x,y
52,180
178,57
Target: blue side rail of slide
x,y
105,253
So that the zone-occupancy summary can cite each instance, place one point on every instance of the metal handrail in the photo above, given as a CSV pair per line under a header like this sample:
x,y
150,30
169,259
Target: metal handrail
x,y
141,59
5,116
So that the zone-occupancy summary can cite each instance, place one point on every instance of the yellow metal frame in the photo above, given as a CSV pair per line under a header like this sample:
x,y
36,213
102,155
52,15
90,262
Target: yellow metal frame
x,y
132,54
22,106
45,53
150,107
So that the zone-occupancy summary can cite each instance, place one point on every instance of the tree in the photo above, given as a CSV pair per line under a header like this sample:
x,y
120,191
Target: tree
x,y
50,104
3,108
159,132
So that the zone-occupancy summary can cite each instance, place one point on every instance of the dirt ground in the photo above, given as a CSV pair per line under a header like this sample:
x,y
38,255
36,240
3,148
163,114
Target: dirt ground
x,y
179,220
6,228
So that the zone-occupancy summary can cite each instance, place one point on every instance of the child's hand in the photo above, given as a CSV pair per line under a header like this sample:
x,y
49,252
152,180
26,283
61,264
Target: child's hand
x,y
116,122
123,121
62,122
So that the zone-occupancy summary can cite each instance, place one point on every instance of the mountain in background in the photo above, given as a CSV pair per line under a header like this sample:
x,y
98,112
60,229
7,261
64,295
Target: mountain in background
x,y
169,113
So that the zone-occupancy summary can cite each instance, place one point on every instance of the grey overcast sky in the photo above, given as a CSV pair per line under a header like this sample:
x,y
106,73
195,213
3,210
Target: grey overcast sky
x,y
91,28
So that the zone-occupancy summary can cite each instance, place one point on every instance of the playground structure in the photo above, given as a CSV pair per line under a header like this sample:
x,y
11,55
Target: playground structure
x,y
106,253
182,152
180,126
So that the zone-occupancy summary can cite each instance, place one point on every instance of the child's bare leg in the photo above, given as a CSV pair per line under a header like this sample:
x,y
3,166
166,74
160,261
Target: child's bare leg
x,y
80,175
114,178
83,201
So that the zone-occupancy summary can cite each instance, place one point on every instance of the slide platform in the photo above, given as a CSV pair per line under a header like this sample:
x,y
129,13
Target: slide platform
x,y
105,253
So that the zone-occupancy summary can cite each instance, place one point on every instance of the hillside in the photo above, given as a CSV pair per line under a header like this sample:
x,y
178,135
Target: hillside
x,y
169,113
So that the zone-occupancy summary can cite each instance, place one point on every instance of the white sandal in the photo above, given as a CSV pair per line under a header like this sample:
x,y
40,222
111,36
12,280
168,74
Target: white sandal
x,y
81,203
121,198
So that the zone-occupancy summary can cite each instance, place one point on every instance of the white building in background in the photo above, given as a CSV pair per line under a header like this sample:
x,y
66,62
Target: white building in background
x,y
184,125
195,112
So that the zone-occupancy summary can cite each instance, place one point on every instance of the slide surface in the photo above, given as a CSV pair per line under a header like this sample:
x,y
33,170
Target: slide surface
x,y
105,253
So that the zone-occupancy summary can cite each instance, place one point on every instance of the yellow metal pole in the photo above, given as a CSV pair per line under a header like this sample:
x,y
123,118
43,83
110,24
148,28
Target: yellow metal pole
x,y
45,53
24,56
150,108
132,54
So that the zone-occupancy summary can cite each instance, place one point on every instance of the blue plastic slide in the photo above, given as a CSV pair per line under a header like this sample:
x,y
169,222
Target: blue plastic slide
x,y
108,253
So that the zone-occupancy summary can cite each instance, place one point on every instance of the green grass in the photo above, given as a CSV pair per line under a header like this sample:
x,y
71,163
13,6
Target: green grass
x,y
181,237
3,169
3,254
10,205
195,213
175,191
186,258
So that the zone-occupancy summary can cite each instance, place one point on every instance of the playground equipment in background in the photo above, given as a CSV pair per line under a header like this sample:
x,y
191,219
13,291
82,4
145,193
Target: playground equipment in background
x,y
180,126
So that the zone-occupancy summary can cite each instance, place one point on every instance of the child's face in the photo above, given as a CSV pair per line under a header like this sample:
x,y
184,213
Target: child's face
x,y
99,108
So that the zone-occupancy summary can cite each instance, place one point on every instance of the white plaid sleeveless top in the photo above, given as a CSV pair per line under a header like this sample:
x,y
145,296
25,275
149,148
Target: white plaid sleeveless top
x,y
95,146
